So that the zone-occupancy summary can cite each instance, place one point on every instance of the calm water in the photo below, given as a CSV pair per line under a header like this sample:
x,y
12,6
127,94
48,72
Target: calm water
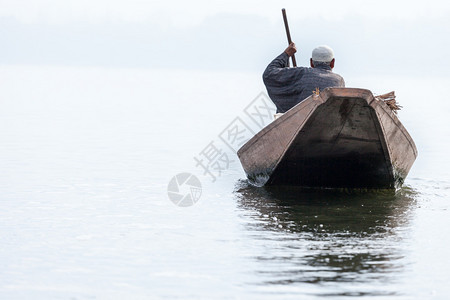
x,y
86,157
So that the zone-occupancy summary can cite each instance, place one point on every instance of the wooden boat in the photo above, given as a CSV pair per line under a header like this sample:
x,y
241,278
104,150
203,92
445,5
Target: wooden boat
x,y
341,138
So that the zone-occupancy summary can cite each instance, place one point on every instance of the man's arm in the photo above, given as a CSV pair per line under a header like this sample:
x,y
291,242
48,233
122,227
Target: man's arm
x,y
282,61
277,72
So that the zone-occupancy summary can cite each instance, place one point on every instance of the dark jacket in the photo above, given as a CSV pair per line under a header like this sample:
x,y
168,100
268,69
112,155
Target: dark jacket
x,y
289,86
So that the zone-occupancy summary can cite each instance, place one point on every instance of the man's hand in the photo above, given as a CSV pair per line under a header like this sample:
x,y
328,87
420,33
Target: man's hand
x,y
291,49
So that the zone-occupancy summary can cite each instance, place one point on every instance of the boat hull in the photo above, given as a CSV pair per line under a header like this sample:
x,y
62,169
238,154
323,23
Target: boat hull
x,y
342,138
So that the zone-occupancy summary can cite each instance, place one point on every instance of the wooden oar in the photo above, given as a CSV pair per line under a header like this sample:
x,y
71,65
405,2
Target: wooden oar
x,y
288,33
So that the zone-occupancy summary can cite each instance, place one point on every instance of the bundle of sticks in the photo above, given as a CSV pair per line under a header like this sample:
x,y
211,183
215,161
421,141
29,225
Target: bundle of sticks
x,y
389,99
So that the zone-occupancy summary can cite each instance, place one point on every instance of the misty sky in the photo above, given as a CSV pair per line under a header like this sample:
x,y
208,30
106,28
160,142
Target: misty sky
x,y
377,37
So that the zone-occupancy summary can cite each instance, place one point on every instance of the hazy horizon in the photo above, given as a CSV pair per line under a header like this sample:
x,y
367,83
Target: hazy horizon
x,y
226,38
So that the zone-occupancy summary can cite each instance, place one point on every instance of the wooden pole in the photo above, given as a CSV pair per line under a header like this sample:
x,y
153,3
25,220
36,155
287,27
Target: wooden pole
x,y
288,33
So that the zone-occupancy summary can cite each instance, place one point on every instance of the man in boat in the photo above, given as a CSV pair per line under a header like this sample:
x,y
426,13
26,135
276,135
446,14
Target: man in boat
x,y
289,86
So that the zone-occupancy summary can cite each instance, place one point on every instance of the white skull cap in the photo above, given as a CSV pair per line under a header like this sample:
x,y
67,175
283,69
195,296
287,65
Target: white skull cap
x,y
323,54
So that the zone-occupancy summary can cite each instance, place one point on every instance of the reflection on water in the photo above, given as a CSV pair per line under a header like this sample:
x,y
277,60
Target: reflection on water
x,y
85,212
328,238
